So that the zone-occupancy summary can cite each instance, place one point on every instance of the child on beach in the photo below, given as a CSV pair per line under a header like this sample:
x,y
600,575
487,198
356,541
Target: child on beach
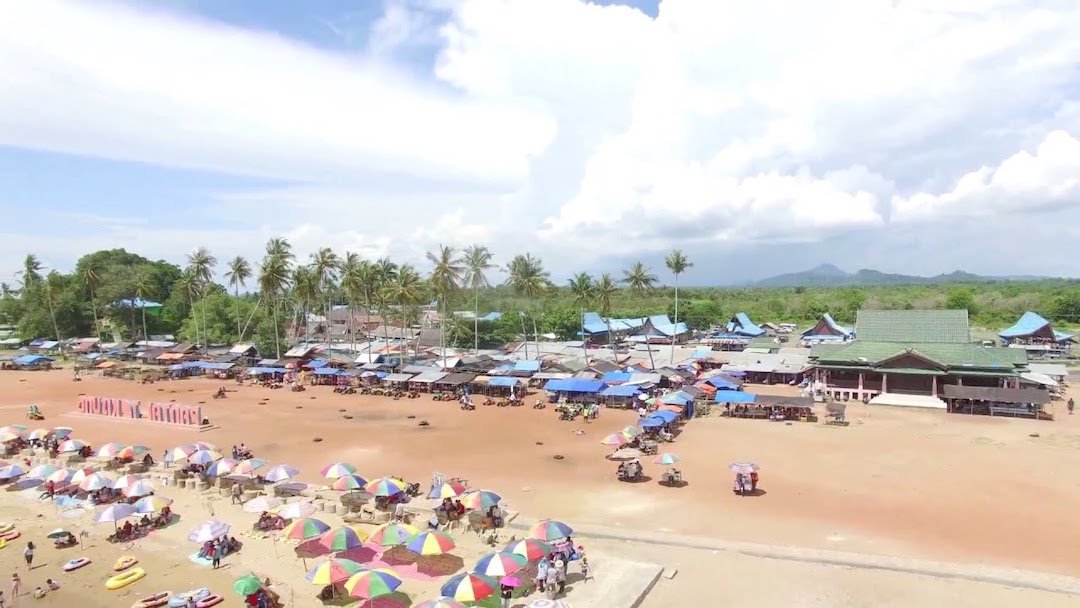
x,y
584,569
16,582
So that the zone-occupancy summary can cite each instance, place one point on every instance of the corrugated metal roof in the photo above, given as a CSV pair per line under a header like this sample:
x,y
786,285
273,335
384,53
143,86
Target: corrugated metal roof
x,y
923,326
429,376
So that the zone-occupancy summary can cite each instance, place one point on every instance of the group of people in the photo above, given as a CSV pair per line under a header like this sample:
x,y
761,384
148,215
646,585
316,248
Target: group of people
x,y
268,521
551,571
16,585
746,484
241,452
218,548
631,470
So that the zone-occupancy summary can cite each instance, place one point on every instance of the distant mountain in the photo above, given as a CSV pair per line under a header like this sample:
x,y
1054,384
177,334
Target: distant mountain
x,y
828,275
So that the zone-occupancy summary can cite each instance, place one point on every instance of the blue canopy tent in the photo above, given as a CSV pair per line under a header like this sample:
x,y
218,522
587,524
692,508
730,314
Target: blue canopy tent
x,y
652,423
327,371
316,364
735,397
677,398
616,377
665,415
621,390
579,386
31,360
507,381
527,366
723,384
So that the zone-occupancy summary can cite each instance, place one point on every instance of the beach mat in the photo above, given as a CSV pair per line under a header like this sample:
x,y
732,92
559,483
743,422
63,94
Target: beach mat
x,y
202,561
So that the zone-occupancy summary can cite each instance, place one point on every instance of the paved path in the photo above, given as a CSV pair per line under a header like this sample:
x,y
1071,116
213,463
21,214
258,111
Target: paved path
x,y
1009,577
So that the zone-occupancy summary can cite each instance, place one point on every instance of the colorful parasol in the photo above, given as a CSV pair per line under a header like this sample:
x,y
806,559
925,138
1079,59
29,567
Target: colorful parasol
x,y
152,504
249,466
530,548
37,434
333,571
79,475
11,471
338,469
96,481
71,445
204,457
305,528
631,431
208,530
139,488
744,468
109,450
9,435
132,452
480,499
281,472
349,482
220,467
369,584
126,480
295,510
180,452
18,429
62,432
247,585
114,513
449,489
615,439
469,587
60,476
260,504
500,564
667,459
385,486
550,530
42,471
443,602
391,534
344,538
430,543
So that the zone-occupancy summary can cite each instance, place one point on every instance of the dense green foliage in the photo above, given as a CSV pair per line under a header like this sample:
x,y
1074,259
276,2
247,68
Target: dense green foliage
x,y
196,308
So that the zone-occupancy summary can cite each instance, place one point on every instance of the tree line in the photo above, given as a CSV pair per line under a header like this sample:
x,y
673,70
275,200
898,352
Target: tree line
x,y
265,300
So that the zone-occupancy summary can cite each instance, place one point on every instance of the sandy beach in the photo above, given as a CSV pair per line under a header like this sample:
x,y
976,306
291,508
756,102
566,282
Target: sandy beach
x,y
915,484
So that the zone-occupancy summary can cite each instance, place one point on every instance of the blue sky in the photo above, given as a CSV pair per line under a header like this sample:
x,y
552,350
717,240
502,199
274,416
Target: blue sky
x,y
902,136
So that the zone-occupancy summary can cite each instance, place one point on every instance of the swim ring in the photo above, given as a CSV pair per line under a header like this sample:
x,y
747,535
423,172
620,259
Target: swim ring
x,y
11,535
76,563
124,579
125,562
153,601
210,600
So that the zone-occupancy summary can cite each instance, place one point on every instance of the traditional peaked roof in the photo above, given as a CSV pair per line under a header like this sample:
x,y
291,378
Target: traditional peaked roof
x,y
827,327
1033,325
595,324
661,325
741,325
913,326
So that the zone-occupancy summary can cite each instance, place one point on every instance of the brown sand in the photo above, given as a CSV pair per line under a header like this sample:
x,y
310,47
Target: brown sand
x,y
913,483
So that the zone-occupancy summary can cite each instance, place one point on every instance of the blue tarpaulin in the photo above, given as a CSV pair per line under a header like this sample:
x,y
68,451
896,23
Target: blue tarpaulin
x,y
665,415
316,363
30,359
723,383
504,381
255,371
327,371
616,377
676,398
622,390
735,397
574,385
526,366
652,423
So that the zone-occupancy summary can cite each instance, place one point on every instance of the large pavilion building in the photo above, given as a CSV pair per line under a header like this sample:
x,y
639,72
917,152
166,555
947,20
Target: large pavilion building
x,y
913,357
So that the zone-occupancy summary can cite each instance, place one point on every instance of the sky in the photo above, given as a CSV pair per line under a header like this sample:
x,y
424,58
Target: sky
x,y
914,136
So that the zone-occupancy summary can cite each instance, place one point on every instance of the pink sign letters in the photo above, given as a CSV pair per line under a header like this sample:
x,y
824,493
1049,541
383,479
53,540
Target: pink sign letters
x,y
109,406
176,413
169,413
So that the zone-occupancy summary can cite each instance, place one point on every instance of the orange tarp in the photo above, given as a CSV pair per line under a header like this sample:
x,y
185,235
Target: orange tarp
x,y
672,408
105,364
705,386
170,356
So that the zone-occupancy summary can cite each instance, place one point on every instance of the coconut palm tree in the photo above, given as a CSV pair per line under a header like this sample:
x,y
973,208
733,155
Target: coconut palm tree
x,y
350,284
202,263
237,274
186,284
49,278
326,265
528,278
145,288
446,273
639,279
407,289
31,272
360,280
274,274
677,263
477,262
91,278
305,290
385,273
604,290
583,290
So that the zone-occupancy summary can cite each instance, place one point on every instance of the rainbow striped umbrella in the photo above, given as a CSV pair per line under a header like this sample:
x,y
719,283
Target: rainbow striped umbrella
x,y
369,584
152,504
500,564
443,602
615,439
42,471
126,480
220,467
530,548
449,489
180,452
139,488
133,451
338,469
79,475
469,587
60,476
344,538
281,472
391,534
62,432
204,445
71,445
549,530
96,481
333,571
667,459
11,471
109,450
204,457
480,499
18,429
430,543
385,486
37,434
305,528
9,435
349,482
249,466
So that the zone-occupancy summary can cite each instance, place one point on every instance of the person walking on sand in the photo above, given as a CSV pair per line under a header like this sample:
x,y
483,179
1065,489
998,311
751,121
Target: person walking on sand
x,y
16,582
584,569
541,574
551,581
28,554
1070,405
218,551
237,495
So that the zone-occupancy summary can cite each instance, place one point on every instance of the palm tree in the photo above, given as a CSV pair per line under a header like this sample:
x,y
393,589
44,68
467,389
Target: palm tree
x,y
529,279
305,289
186,284
351,285
48,298
386,273
145,289
605,289
31,272
677,263
202,263
639,279
274,279
239,271
446,274
477,262
407,289
92,280
582,288
326,265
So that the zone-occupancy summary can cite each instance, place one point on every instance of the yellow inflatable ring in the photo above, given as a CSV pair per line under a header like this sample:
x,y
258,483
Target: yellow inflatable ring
x,y
3,543
124,579
125,562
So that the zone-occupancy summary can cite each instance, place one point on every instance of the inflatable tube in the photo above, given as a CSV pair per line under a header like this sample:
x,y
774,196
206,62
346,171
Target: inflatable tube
x,y
124,563
11,535
76,563
3,543
153,601
124,579
6,527
180,600
210,600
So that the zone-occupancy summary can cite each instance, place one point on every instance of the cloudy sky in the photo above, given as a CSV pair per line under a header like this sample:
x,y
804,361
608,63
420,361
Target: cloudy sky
x,y
916,136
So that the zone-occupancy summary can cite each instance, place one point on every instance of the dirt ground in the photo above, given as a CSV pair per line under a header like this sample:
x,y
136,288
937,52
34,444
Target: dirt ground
x,y
913,483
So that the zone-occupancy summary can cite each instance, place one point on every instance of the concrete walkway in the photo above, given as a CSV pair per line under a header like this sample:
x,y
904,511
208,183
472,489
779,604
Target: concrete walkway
x,y
1008,577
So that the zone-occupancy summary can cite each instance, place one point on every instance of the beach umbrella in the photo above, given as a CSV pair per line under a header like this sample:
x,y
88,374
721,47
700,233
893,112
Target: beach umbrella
x,y
17,429
295,510
344,538
208,531
78,475
60,476
261,503
625,454
62,432
543,602
42,471
71,445
58,533
385,486
11,471
667,459
9,435
132,452
391,534
109,450
469,587
246,585
139,488
430,543
180,452
632,431
615,439
96,481
338,469
510,581
204,457
249,466
443,602
370,584
220,467
333,571
152,504
502,563
114,513
37,434
449,489
744,468
305,528
204,445
281,472
480,499
549,530
349,482
126,480
530,548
